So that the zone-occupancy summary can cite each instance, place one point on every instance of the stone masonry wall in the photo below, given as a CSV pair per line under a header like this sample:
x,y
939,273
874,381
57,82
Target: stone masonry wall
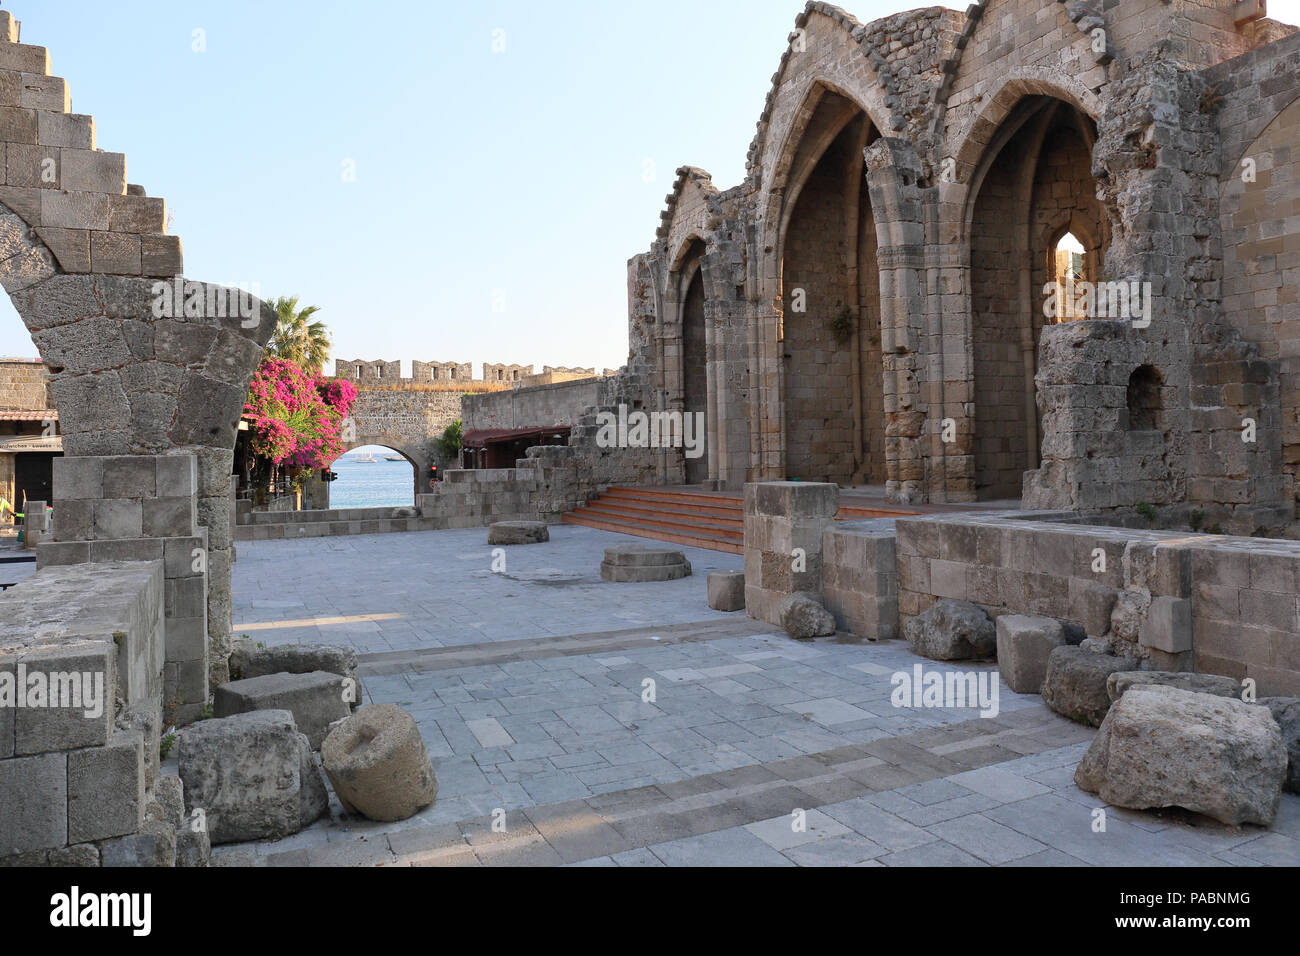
x,y
538,406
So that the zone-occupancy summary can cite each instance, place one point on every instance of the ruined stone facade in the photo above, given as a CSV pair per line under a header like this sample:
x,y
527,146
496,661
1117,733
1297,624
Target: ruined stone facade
x,y
870,305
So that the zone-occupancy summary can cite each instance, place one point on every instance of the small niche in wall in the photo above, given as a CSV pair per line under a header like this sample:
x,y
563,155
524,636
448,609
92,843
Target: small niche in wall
x,y
1144,404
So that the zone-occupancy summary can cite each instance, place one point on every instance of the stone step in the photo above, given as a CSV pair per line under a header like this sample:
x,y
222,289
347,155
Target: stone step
x,y
668,520
705,542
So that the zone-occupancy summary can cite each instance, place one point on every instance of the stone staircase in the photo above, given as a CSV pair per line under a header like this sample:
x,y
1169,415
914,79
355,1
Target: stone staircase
x,y
692,518
698,519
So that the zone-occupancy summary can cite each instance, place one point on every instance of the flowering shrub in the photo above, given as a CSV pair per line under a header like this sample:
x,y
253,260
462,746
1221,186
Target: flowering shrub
x,y
295,417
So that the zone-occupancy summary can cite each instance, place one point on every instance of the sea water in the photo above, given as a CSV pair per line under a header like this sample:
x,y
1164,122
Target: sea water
x,y
377,484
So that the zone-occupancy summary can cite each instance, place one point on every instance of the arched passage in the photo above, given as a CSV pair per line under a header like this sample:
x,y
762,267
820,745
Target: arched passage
x,y
830,331
1033,187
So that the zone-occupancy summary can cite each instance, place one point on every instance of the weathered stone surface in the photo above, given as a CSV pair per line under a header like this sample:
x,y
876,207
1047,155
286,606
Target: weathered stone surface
x,y
316,700
1076,683
726,590
249,659
518,532
154,845
253,775
193,848
804,618
378,764
1286,711
1024,644
952,631
631,563
1163,746
1121,681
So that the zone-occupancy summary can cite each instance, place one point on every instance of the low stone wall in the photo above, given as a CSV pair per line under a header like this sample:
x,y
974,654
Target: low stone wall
x,y
1215,604
75,782
288,525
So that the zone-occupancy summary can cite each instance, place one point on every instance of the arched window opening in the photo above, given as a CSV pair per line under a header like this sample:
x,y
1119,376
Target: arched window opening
x,y
1071,272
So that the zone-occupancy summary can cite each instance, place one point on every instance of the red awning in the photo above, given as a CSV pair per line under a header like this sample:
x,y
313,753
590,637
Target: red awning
x,y
482,437
29,415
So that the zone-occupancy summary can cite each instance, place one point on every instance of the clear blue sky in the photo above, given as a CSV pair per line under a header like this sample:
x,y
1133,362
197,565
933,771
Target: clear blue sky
x,y
476,171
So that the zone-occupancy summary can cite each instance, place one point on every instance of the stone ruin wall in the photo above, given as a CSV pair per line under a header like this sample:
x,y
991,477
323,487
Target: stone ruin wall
x,y
1171,97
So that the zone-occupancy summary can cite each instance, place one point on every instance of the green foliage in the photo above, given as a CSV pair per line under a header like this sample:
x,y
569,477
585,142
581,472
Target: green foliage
x,y
1146,510
450,441
297,340
841,325
165,745
1197,519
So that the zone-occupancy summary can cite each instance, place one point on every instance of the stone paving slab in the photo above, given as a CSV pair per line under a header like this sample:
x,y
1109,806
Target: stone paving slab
x,y
608,747
385,593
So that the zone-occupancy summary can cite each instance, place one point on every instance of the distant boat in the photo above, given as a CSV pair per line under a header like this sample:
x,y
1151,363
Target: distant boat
x,y
394,458
367,457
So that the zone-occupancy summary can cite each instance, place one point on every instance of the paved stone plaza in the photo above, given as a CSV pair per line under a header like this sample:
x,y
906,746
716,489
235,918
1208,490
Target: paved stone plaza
x,y
527,687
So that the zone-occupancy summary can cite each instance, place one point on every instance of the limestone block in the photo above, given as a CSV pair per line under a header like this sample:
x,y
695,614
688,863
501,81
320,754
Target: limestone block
x,y
78,478
518,532
378,765
1076,683
34,795
72,671
154,845
316,700
253,775
1121,681
1168,625
130,476
726,590
193,848
106,789
1024,644
952,631
1163,746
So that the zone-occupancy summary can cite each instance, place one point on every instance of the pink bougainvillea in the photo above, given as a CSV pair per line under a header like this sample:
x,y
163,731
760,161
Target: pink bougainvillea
x,y
295,418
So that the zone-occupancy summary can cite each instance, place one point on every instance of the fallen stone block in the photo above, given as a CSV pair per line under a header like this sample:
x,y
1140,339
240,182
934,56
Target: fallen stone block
x,y
518,532
634,563
1286,711
726,590
1076,683
316,700
1024,644
252,775
1121,681
247,659
952,631
804,618
378,765
1163,746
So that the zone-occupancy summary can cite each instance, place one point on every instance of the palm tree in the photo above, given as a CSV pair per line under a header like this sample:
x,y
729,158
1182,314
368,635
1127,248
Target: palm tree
x,y
296,339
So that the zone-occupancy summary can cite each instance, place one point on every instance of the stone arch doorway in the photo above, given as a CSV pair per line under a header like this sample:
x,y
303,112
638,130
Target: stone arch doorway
x,y
1032,187
829,336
